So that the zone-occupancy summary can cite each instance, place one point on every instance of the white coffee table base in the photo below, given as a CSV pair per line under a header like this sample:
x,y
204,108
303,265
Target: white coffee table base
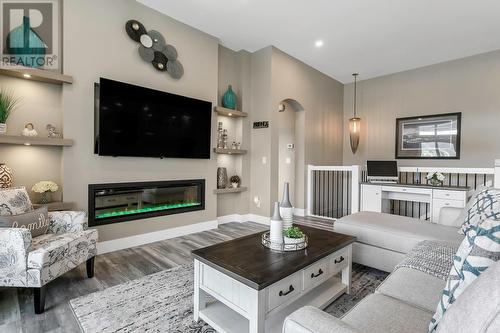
x,y
240,308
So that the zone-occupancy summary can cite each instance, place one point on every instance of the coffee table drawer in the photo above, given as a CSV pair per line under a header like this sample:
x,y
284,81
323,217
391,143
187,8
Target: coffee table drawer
x,y
316,273
284,290
339,261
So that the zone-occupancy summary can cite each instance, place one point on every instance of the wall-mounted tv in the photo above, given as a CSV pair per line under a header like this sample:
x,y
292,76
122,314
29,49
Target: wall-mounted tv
x,y
137,121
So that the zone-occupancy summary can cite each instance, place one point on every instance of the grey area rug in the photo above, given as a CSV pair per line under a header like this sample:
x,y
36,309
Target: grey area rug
x,y
163,302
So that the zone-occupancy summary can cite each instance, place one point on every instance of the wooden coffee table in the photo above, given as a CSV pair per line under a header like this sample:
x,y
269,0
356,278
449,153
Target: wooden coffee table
x,y
256,288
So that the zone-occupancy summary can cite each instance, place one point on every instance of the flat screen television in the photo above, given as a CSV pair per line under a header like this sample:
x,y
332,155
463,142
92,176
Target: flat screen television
x,y
137,121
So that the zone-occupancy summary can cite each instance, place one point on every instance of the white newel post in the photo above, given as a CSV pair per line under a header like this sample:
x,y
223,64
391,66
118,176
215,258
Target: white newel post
x,y
355,189
497,173
309,190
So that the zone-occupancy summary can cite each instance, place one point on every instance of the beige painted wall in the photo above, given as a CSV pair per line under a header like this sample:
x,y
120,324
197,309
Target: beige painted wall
x,y
469,85
95,45
40,104
322,99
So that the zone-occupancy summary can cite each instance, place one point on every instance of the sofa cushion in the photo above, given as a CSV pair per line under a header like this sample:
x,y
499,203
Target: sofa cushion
x,y
14,201
36,221
479,250
378,313
485,204
393,232
414,287
482,298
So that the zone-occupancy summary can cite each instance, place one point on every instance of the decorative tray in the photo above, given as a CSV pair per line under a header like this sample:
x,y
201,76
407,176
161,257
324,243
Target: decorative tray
x,y
282,247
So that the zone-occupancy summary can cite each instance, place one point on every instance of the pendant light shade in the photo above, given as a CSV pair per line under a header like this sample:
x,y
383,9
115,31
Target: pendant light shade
x,y
354,122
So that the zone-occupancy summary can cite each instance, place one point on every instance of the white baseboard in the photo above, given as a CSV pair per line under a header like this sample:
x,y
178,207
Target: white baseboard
x,y
243,218
151,237
299,212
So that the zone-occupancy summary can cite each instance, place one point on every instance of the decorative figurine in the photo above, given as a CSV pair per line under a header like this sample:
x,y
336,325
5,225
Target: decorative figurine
x,y
29,130
238,145
220,137
224,139
233,145
53,132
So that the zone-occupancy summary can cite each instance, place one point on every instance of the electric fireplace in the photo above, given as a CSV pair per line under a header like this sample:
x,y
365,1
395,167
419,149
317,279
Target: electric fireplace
x,y
119,202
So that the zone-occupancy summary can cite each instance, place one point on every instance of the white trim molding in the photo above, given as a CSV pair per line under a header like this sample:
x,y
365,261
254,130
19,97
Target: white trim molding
x,y
299,212
240,218
497,173
151,237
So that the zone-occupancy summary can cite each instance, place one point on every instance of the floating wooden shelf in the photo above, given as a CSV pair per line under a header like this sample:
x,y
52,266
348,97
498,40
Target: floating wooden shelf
x,y
34,141
230,190
229,112
55,206
230,151
35,74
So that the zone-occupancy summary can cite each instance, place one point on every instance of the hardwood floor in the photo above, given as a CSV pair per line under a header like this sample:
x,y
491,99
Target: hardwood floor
x,y
16,304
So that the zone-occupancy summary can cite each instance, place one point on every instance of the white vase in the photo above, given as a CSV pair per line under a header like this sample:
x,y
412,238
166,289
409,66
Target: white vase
x,y
286,208
3,128
289,240
276,228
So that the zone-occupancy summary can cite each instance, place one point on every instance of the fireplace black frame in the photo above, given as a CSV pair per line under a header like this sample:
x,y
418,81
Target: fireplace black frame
x,y
93,188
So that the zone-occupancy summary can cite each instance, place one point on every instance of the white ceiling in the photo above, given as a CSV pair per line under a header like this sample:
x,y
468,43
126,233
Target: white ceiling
x,y
372,37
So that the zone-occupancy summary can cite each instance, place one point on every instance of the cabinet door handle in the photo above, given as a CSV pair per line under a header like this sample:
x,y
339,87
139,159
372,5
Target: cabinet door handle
x,y
447,204
316,275
290,289
339,261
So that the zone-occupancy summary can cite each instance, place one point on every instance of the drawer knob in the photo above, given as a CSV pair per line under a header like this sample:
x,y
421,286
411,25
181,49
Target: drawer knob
x,y
339,260
316,275
447,204
290,289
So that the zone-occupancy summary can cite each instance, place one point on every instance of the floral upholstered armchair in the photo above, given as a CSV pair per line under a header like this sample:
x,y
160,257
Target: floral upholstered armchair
x,y
32,262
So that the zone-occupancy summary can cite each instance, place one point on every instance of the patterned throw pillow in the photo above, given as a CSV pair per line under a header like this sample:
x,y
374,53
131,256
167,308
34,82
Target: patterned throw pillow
x,y
36,221
479,250
14,201
484,204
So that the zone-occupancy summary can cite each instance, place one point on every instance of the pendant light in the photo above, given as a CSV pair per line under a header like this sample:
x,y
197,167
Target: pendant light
x,y
354,122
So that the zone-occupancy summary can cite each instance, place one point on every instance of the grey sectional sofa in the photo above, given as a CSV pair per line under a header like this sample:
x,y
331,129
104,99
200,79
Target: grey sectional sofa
x,y
383,240
405,303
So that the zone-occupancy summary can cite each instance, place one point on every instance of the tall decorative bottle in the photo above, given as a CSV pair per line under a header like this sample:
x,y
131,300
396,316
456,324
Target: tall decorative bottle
x,y
276,228
229,98
286,208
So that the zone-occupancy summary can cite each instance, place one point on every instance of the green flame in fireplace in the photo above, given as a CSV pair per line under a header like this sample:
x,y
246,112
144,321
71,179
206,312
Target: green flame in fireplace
x,y
146,209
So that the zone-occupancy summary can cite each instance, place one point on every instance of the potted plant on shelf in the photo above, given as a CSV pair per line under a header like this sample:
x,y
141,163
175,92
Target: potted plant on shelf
x,y
45,189
293,235
435,178
235,181
8,102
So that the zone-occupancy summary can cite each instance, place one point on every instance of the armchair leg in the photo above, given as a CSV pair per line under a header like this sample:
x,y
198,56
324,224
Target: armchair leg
x,y
90,267
39,295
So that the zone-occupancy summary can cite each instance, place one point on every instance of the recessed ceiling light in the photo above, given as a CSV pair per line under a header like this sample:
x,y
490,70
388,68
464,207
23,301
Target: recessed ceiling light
x,y
26,75
27,144
318,43
229,114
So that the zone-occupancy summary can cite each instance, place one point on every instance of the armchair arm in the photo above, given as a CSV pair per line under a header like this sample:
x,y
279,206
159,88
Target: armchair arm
x,y
67,221
312,320
15,245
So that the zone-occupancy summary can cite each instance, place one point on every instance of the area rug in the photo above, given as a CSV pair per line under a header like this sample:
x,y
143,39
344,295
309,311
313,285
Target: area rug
x,y
163,302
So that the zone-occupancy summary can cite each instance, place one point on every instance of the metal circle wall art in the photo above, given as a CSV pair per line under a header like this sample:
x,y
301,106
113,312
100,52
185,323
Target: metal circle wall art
x,y
154,49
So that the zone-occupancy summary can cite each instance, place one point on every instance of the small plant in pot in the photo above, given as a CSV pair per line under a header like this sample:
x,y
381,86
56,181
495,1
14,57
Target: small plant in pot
x,y
235,181
293,235
435,178
8,102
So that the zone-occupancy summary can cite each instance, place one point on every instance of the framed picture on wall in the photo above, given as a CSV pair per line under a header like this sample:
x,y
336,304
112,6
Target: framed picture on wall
x,y
429,137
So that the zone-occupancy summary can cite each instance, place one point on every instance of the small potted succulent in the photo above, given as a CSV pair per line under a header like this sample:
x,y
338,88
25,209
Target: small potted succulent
x,y
435,178
293,235
235,181
44,189
8,102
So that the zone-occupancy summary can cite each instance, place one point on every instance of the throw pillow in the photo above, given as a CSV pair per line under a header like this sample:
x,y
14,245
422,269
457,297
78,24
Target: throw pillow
x,y
479,250
484,204
14,201
36,221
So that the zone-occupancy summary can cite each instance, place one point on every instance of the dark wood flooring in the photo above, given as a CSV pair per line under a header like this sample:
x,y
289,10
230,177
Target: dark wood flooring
x,y
16,304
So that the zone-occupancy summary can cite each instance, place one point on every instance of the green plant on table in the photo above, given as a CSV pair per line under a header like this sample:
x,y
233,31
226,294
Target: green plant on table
x,y
293,232
8,102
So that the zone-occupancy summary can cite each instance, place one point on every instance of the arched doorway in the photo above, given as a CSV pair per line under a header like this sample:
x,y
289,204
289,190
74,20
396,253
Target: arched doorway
x,y
291,142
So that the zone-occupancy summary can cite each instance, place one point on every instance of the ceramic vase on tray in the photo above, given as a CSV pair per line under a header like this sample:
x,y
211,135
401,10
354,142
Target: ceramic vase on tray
x,y
286,208
276,228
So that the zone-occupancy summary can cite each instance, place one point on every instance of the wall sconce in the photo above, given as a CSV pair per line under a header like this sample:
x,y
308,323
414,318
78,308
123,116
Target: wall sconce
x,y
354,122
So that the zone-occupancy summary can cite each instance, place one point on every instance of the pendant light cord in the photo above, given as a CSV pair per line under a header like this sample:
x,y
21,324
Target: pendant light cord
x,y
355,92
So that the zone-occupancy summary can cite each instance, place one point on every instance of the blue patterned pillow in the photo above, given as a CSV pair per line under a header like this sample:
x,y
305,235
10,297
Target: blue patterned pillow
x,y
485,204
479,250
